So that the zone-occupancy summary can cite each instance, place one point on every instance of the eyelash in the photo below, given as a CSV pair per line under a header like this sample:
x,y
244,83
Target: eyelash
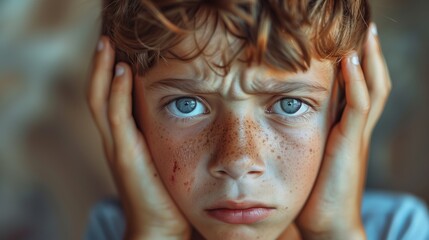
x,y
306,116
176,119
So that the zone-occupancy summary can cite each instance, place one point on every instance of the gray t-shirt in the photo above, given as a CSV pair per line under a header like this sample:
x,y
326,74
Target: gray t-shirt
x,y
389,216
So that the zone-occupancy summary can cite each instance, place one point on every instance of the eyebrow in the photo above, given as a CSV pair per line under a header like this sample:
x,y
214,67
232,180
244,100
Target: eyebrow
x,y
185,85
269,86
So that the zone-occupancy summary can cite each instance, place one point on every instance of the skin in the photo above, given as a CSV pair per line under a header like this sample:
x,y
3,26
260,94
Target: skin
x,y
310,170
236,151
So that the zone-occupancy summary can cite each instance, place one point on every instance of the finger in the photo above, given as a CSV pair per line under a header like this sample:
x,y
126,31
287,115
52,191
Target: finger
x,y
377,77
357,107
121,121
99,87
132,156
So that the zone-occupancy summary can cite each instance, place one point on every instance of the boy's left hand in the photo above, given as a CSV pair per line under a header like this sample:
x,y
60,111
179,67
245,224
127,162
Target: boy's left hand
x,y
333,209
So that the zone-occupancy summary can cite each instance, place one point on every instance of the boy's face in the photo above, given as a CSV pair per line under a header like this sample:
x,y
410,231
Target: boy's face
x,y
239,153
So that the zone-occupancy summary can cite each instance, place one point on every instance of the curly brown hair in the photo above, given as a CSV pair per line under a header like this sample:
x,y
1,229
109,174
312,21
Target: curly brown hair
x,y
283,34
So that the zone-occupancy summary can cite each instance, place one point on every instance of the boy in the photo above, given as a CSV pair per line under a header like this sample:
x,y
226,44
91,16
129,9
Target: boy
x,y
240,120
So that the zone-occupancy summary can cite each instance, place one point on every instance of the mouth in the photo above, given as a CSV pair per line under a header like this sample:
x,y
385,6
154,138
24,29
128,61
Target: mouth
x,y
240,212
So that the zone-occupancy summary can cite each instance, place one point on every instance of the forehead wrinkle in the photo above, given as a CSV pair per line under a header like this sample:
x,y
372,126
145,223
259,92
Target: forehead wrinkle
x,y
195,77
231,85
277,86
185,85
175,72
234,85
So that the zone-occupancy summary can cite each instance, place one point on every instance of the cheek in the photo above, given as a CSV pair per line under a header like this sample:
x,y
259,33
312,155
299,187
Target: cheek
x,y
298,156
176,158
292,160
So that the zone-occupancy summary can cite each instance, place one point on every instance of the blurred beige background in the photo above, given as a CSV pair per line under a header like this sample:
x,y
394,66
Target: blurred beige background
x,y
51,165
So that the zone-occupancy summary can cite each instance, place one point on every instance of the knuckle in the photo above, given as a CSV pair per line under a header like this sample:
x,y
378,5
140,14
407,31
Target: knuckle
x,y
91,101
389,87
94,105
383,93
386,94
115,119
386,97
364,106
117,87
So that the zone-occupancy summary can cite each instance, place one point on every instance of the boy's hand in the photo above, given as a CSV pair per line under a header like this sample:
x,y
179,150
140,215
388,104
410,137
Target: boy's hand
x,y
149,210
333,210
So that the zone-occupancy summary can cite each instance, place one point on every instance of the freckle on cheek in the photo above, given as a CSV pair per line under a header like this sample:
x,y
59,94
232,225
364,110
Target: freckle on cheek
x,y
298,156
293,155
183,156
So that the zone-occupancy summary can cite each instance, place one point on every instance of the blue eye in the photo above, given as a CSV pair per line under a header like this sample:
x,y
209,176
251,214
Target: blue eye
x,y
290,107
186,107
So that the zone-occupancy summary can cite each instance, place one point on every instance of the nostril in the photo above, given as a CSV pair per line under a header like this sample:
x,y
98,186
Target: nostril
x,y
222,172
238,169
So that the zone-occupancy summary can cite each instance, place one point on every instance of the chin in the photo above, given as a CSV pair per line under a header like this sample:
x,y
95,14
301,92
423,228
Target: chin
x,y
238,232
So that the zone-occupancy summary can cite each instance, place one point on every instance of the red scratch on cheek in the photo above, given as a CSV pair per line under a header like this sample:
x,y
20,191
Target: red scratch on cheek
x,y
175,167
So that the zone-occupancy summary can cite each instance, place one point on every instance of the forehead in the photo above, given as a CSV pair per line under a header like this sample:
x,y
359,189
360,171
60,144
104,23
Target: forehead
x,y
320,73
214,48
198,77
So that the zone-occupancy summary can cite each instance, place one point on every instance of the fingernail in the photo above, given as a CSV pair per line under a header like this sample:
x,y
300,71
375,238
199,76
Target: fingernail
x,y
373,29
100,45
355,59
119,70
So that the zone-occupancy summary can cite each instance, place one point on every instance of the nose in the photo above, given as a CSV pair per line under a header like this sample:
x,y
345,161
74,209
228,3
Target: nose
x,y
237,152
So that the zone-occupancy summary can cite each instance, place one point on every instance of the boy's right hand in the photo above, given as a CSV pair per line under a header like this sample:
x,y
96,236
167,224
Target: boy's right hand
x,y
150,211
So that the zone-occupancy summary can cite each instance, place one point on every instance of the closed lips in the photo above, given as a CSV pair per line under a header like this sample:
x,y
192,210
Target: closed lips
x,y
240,213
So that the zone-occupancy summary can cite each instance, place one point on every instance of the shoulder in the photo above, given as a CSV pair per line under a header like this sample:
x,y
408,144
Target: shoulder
x,y
388,215
106,221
